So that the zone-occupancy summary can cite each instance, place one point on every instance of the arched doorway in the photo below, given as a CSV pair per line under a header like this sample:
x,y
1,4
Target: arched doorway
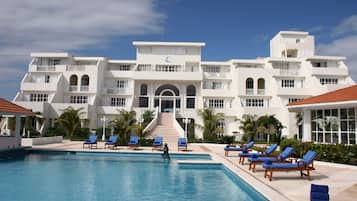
x,y
167,98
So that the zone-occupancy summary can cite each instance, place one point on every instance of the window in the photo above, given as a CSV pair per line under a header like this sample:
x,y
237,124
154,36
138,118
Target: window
x,y
144,90
79,99
124,67
328,81
287,83
144,67
216,103
73,80
217,85
47,79
122,84
249,83
319,64
212,69
297,40
85,80
190,93
117,102
168,68
291,100
53,62
254,102
220,127
39,97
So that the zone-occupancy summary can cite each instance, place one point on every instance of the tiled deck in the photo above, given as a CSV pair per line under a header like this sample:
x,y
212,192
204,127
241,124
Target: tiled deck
x,y
342,179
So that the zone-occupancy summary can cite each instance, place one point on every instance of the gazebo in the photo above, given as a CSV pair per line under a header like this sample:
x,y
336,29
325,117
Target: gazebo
x,y
10,124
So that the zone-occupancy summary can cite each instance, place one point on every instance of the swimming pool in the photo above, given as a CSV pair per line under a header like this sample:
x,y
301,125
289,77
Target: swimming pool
x,y
128,177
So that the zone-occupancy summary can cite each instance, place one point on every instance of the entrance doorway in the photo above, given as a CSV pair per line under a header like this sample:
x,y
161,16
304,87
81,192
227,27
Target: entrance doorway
x,y
167,105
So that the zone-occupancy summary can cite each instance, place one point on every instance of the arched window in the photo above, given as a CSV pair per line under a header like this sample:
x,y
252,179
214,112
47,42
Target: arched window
x,y
261,83
73,80
85,80
190,101
249,83
191,90
143,89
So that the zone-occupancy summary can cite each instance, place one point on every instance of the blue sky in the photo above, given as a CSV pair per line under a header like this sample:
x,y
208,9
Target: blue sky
x,y
230,29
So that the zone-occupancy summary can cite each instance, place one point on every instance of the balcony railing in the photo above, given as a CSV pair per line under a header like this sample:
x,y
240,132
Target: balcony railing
x,y
76,68
118,90
46,68
73,88
261,91
249,91
84,88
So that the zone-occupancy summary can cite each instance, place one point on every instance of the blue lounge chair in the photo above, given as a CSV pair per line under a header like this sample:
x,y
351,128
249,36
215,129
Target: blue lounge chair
x,y
319,193
253,161
182,144
92,141
134,141
245,148
111,142
268,152
305,164
158,143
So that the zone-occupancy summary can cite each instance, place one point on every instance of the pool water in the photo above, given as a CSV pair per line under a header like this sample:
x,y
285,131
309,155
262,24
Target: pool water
x,y
91,176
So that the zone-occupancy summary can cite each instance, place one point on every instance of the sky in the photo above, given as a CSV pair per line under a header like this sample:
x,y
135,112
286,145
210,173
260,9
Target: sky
x,y
231,29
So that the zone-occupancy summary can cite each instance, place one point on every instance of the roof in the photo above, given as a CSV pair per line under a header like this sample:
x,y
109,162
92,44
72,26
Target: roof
x,y
9,107
333,58
179,44
50,54
340,95
293,33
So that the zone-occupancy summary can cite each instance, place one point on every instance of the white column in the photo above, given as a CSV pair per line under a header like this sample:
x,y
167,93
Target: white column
x,y
306,134
160,104
17,131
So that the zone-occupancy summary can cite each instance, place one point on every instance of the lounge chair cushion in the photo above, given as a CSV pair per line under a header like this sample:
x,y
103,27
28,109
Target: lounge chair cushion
x,y
319,188
280,165
319,196
233,149
262,159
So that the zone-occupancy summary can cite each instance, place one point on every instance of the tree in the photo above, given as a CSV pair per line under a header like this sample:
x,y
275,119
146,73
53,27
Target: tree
x,y
269,124
147,116
210,121
123,124
70,120
248,124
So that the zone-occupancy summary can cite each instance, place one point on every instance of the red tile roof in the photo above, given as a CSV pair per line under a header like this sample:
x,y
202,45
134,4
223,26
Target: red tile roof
x,y
340,95
9,107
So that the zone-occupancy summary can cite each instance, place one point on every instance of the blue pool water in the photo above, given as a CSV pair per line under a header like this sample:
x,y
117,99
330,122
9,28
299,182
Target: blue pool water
x,y
80,176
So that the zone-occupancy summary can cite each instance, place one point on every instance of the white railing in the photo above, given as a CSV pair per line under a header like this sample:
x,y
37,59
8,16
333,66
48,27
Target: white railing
x,y
153,122
76,68
46,68
177,126
73,88
289,72
84,88
118,90
249,91
261,91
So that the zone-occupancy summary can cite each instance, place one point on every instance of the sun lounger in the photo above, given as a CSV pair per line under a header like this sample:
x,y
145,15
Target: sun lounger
x,y
133,142
182,144
245,148
158,143
253,161
111,142
305,164
91,141
267,153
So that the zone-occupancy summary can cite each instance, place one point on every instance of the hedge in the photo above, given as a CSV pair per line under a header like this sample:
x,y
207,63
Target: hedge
x,y
336,153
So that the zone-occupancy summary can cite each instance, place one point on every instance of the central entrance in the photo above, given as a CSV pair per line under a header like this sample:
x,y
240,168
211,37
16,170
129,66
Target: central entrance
x,y
167,98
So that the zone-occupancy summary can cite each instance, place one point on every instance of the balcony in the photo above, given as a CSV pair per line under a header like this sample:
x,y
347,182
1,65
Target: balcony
x,y
76,88
249,91
216,93
47,68
285,73
293,91
80,67
177,76
119,91
332,71
208,75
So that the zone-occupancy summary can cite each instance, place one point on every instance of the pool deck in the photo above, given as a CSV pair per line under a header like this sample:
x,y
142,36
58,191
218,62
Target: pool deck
x,y
342,179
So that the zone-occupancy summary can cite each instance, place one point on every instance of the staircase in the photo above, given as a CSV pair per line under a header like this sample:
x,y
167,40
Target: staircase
x,y
166,129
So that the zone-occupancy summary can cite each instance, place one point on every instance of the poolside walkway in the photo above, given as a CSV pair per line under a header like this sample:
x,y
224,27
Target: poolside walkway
x,y
342,179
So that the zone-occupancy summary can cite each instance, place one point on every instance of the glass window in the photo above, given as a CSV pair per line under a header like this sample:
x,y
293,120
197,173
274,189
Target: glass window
x,y
79,99
216,103
144,89
122,84
117,102
249,83
190,103
287,83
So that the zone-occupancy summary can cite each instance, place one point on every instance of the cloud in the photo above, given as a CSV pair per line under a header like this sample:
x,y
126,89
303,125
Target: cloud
x,y
65,25
344,44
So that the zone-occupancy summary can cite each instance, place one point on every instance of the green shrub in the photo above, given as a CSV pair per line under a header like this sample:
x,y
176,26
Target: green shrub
x,y
55,131
225,140
146,142
336,153
81,135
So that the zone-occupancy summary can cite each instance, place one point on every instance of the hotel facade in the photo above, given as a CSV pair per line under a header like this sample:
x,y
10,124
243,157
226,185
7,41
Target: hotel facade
x,y
170,77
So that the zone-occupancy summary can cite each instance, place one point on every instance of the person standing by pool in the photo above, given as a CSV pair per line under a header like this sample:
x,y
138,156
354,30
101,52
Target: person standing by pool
x,y
166,155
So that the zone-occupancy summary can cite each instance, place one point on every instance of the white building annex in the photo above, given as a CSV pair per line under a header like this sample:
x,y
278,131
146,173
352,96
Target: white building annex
x,y
171,77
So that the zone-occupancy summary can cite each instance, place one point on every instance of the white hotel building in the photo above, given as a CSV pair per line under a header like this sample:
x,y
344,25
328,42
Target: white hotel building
x,y
171,77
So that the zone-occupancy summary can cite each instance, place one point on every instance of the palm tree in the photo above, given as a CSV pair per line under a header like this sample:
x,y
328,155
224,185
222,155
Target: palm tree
x,y
70,120
269,124
147,116
210,120
123,124
248,124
